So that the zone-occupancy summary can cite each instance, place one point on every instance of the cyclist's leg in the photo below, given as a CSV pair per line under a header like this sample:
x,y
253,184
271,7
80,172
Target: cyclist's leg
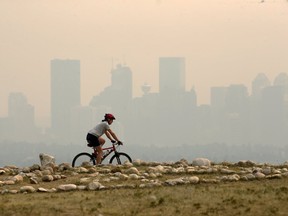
x,y
101,141
99,150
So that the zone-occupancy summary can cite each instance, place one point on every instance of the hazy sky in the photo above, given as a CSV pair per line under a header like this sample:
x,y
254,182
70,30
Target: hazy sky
x,y
224,42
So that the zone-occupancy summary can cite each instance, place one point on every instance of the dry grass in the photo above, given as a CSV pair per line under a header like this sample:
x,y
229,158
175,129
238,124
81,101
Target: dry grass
x,y
259,197
266,197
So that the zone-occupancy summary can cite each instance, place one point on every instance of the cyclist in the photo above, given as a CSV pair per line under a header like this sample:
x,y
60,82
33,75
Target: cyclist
x,y
94,138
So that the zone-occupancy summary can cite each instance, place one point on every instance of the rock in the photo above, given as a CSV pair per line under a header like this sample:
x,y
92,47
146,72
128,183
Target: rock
x,y
28,189
137,162
173,182
42,189
33,181
133,176
17,178
45,159
34,167
259,175
201,162
245,163
26,170
267,170
84,180
2,172
94,185
193,179
67,187
9,182
132,170
64,166
47,178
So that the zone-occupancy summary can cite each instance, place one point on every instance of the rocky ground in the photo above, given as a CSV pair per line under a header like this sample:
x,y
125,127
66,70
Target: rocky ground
x,y
52,177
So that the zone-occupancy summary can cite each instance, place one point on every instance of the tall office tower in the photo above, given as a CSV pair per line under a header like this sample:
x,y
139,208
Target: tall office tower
x,y
236,98
21,115
259,83
171,74
119,93
218,97
121,82
65,95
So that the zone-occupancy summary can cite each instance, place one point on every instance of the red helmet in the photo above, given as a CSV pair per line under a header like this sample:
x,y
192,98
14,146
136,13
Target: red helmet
x,y
109,116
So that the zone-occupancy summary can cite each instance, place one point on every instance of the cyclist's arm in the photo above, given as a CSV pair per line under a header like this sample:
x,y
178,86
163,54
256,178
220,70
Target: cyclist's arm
x,y
110,134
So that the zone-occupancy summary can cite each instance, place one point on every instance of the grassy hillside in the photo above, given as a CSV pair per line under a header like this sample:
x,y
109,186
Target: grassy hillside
x,y
146,189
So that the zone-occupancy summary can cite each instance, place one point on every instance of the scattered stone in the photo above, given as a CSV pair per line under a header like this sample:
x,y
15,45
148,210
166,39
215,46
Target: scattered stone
x,y
94,186
67,187
42,190
27,189
201,162
46,159
33,181
47,178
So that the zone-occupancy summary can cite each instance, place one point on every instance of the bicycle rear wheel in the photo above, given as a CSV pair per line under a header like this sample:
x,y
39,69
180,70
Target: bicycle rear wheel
x,y
120,158
83,159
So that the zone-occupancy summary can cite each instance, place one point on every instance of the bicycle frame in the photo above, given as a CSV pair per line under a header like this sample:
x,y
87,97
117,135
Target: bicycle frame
x,y
106,151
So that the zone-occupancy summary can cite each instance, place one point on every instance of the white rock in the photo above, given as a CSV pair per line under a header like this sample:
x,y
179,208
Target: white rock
x,y
17,178
45,159
137,162
173,182
133,176
94,185
123,176
9,182
84,180
259,175
28,189
193,179
132,170
160,168
83,170
42,189
250,176
267,170
67,187
201,162
128,164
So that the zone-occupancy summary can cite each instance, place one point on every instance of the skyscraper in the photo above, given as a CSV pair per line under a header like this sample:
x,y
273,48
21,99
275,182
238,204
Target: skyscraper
x,y
171,74
21,116
65,94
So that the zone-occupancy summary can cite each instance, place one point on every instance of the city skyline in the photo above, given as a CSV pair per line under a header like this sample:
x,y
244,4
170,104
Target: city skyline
x,y
223,41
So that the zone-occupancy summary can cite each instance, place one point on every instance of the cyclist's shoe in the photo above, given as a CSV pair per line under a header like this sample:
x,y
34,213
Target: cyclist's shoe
x,y
113,141
120,143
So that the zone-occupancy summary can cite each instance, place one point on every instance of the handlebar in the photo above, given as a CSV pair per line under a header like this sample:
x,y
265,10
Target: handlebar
x,y
117,143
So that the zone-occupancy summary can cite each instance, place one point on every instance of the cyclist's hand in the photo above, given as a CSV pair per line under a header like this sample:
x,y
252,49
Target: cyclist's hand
x,y
120,143
113,141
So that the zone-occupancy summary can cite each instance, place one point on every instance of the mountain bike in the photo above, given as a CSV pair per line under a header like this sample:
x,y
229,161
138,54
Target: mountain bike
x,y
85,158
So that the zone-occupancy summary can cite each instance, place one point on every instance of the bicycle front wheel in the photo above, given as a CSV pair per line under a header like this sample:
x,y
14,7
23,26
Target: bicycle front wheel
x,y
120,158
83,159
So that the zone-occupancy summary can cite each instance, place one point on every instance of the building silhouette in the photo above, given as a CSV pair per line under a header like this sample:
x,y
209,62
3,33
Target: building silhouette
x,y
22,118
171,75
65,95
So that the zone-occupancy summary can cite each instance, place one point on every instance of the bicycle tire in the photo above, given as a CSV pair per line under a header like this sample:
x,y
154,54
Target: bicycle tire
x,y
117,160
83,157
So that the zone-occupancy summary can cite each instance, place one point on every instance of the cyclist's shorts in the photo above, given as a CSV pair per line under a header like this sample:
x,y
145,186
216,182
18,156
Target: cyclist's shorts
x,y
92,140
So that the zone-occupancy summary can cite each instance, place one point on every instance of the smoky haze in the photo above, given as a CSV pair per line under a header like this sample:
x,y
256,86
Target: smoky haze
x,y
167,125
184,80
